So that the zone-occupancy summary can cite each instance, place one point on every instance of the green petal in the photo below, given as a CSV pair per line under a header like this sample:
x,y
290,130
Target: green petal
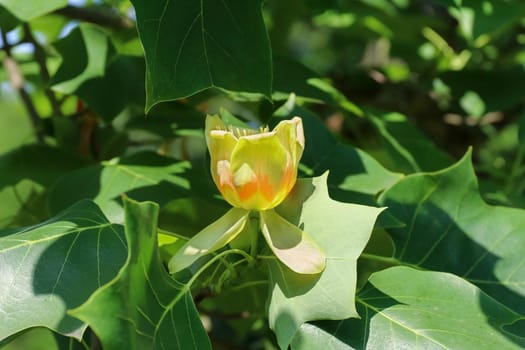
x,y
211,238
292,246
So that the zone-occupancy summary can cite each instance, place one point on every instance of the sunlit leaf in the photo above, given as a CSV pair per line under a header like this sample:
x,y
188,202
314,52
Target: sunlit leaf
x,y
55,266
342,231
404,308
450,228
26,10
143,307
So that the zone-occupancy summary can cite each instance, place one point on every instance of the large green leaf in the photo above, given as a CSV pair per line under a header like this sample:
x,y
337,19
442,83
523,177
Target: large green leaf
x,y
193,45
450,228
143,307
342,231
403,308
55,266
27,10
144,174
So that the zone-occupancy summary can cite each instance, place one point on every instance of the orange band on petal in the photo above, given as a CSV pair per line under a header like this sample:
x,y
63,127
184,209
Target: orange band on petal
x,y
266,187
248,190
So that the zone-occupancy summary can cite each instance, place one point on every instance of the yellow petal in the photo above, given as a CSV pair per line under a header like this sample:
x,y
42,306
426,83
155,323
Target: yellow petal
x,y
263,164
292,246
291,135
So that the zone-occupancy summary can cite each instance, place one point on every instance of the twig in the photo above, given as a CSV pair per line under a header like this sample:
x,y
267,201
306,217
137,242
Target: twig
x,y
96,16
17,80
40,58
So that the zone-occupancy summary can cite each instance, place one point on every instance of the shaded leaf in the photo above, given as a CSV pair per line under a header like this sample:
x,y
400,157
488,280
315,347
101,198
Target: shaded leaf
x,y
293,77
342,231
450,228
105,183
521,129
510,81
22,205
40,163
409,149
85,53
143,307
121,86
193,45
354,175
434,311
55,266
7,20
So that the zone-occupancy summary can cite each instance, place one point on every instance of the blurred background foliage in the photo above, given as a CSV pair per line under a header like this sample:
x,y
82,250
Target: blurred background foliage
x,y
413,83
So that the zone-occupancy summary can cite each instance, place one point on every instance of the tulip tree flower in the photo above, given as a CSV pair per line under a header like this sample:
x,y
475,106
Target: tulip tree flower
x,y
254,171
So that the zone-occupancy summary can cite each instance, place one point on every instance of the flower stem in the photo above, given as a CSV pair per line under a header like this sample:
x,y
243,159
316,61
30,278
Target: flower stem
x,y
219,256
254,234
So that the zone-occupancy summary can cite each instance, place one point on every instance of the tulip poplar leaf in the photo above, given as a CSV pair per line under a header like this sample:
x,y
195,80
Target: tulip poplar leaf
x,y
194,45
142,175
404,308
450,228
55,266
143,307
341,230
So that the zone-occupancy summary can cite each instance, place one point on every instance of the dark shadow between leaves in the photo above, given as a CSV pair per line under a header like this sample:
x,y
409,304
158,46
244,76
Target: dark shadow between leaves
x,y
514,331
83,183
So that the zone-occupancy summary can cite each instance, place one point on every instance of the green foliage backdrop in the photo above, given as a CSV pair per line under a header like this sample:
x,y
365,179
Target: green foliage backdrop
x,y
412,180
